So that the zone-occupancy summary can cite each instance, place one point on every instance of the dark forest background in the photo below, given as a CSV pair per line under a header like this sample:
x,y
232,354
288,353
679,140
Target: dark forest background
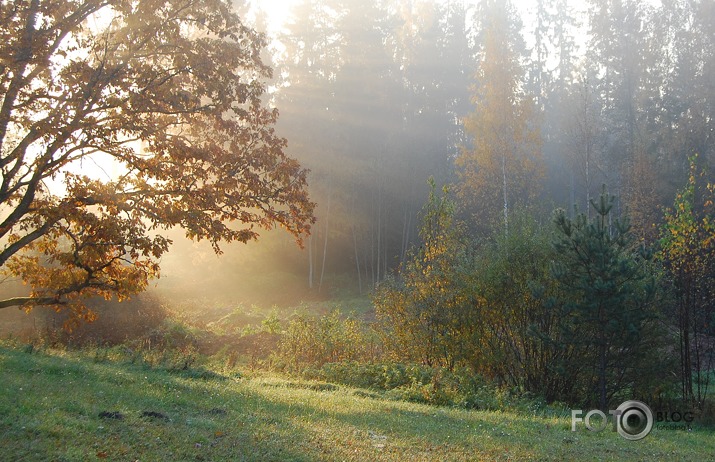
x,y
375,97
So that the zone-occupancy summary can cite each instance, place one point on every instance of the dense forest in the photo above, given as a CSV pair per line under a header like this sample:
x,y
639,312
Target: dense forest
x,y
520,109
575,142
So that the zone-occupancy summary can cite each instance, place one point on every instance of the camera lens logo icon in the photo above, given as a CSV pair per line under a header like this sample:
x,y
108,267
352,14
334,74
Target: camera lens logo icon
x,y
635,420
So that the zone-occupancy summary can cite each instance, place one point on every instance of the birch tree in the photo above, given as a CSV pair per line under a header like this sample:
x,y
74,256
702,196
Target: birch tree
x,y
503,167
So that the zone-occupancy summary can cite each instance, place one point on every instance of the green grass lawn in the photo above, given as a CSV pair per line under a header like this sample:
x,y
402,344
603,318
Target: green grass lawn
x,y
73,406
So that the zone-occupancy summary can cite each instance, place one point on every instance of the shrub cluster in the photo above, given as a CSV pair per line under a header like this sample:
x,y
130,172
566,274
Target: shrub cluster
x,y
432,385
309,341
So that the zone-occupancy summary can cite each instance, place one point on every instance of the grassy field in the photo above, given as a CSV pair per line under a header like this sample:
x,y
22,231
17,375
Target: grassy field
x,y
79,406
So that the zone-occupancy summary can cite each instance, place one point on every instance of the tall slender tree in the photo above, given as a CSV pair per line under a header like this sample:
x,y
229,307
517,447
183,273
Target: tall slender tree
x,y
503,167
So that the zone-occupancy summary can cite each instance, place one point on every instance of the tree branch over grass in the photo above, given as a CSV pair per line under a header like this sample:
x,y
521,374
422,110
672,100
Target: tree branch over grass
x,y
168,96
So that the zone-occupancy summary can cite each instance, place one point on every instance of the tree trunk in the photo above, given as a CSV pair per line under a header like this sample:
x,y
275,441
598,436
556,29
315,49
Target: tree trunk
x,y
325,241
685,359
310,261
602,397
506,201
357,260
379,232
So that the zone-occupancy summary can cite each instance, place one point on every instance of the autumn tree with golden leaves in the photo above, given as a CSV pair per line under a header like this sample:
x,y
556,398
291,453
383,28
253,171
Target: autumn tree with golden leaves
x,y
688,252
503,168
122,119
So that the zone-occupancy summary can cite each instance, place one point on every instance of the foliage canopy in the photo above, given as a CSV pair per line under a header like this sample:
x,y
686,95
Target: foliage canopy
x,y
120,119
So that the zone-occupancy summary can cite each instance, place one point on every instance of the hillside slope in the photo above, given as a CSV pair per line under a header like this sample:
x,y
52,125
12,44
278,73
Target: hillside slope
x,y
78,406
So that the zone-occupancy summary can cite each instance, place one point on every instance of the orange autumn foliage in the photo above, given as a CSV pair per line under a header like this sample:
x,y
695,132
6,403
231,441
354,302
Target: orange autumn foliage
x,y
122,119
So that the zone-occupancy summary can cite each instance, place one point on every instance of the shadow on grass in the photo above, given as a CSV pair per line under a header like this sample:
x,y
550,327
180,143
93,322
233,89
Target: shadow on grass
x,y
64,408
50,410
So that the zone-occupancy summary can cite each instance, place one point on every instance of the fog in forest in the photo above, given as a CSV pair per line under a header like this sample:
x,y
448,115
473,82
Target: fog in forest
x,y
375,97
519,108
